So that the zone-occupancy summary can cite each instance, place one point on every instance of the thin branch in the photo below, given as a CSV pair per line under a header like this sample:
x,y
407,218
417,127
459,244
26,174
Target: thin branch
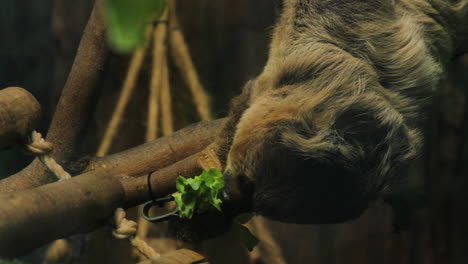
x,y
19,114
74,108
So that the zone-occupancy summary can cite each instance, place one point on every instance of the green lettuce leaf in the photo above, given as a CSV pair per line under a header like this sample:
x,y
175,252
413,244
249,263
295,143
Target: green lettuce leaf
x,y
127,21
199,194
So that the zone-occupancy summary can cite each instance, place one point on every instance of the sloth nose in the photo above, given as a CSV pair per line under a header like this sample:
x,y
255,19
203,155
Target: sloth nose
x,y
232,196
225,196
231,192
233,203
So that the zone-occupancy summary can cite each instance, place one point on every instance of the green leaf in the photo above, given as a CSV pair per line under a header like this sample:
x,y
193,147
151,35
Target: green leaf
x,y
199,194
127,21
245,236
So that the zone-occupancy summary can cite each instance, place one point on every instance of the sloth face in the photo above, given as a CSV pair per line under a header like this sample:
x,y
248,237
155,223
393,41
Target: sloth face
x,y
305,165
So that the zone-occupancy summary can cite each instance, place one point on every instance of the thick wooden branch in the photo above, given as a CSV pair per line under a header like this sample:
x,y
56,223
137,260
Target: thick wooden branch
x,y
162,181
161,152
19,114
31,218
75,105
34,217
33,213
144,158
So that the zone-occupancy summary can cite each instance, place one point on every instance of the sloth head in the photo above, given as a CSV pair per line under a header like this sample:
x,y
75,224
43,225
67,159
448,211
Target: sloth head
x,y
295,160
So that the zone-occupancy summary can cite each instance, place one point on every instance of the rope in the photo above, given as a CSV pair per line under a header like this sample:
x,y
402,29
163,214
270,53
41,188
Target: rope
x,y
166,101
129,85
159,98
42,149
183,61
59,249
159,51
127,229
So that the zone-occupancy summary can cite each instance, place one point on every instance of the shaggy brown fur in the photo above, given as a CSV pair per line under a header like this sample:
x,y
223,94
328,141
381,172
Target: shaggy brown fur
x,y
339,105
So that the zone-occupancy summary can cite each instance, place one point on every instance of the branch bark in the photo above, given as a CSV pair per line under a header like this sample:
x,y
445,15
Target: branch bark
x,y
144,158
75,104
31,218
19,114
34,217
161,152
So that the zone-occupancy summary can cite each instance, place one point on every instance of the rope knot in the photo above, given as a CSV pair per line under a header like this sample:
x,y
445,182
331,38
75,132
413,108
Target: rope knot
x,y
42,149
38,145
124,228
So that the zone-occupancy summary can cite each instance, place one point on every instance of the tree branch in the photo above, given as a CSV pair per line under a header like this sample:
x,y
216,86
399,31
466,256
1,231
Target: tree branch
x,y
75,105
19,114
162,181
31,218
34,217
161,152
144,158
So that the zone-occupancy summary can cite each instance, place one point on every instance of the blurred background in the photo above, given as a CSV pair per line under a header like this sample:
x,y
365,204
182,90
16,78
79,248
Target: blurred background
x,y
228,41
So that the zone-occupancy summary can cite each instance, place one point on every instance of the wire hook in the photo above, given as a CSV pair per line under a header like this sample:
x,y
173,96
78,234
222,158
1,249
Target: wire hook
x,y
157,202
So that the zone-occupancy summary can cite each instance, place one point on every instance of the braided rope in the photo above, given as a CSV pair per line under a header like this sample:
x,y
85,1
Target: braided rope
x,y
127,229
42,149
61,248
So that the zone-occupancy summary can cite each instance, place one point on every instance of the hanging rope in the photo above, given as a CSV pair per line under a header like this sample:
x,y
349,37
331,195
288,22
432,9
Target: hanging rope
x,y
159,104
167,123
157,76
183,61
127,90
59,249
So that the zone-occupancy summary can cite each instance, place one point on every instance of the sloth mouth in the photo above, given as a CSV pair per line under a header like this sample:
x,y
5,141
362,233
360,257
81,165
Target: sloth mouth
x,y
237,192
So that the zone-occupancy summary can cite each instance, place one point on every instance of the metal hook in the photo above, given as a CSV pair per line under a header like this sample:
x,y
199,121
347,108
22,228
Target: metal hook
x,y
159,202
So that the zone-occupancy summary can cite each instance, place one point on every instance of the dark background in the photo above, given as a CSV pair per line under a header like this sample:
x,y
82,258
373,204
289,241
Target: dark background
x,y
229,40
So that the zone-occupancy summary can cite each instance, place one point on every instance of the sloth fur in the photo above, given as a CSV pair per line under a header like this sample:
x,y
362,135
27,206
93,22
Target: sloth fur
x,y
339,106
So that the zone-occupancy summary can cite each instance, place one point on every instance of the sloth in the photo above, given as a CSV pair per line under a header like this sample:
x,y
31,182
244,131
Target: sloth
x,y
339,107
